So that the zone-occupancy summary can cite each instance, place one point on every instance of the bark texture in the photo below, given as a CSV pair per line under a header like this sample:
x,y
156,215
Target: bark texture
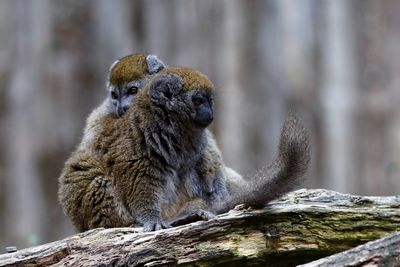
x,y
381,252
303,226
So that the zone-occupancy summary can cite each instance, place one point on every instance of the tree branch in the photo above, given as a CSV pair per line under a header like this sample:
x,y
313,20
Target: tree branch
x,y
304,225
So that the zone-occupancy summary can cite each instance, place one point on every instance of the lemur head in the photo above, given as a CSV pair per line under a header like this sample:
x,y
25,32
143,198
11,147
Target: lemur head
x,y
127,76
184,95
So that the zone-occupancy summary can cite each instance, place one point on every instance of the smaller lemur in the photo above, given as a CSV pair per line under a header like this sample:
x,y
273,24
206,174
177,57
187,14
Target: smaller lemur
x,y
121,83
126,77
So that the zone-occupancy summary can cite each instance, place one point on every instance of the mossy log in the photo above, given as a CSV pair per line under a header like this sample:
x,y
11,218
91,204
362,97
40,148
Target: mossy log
x,y
303,226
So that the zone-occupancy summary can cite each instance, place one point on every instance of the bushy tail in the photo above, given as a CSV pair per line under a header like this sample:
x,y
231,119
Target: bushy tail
x,y
281,175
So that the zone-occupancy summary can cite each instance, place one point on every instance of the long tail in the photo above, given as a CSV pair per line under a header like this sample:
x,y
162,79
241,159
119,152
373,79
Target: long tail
x,y
281,175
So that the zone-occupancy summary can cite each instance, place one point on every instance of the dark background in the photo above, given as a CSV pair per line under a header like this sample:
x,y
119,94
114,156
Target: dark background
x,y
336,63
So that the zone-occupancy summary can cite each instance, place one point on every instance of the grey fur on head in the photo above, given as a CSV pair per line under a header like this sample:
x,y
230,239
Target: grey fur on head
x,y
154,64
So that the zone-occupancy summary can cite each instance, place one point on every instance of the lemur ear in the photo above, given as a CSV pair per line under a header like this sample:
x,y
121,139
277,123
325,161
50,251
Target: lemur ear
x,y
154,64
164,87
108,83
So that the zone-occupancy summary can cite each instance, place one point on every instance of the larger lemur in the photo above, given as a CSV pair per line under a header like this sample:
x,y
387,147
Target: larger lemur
x,y
145,162
126,78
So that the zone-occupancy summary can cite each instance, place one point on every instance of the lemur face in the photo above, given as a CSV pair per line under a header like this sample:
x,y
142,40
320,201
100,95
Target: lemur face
x,y
127,76
123,97
185,94
202,104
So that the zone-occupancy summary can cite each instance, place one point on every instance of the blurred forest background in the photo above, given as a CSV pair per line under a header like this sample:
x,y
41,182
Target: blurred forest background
x,y
336,63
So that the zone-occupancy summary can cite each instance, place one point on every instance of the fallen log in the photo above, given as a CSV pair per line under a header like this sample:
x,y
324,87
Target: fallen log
x,y
304,225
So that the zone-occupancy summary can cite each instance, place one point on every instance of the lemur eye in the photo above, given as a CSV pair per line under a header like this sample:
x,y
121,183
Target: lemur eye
x,y
114,95
197,101
132,90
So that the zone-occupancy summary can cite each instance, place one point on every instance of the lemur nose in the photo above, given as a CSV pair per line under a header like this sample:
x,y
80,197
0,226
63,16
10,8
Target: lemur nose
x,y
120,111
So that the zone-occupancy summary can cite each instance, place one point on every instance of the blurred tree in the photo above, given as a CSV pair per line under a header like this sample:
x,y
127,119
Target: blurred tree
x,y
338,95
29,40
389,39
335,62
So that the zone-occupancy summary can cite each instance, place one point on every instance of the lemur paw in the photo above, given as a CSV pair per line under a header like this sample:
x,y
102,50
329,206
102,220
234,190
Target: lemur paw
x,y
155,226
199,215
205,215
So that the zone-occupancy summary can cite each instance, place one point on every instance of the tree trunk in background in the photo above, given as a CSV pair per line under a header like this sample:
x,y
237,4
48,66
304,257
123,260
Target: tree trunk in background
x,y
392,58
158,18
338,96
300,81
113,32
265,89
187,40
231,96
4,56
374,110
29,37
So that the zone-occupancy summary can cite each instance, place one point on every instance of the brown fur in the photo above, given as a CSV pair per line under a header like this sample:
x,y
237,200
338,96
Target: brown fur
x,y
130,68
119,180
148,165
